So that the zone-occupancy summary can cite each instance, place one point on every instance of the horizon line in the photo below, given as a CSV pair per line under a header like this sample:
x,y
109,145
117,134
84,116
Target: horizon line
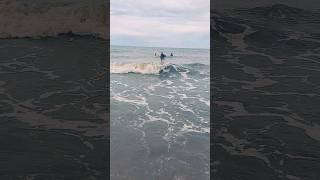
x,y
208,48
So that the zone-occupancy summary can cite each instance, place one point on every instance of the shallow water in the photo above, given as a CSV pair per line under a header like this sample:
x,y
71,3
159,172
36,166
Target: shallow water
x,y
53,108
159,114
265,94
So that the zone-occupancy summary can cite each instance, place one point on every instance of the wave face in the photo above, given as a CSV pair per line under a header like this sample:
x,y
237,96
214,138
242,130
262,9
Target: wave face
x,y
164,70
141,68
20,19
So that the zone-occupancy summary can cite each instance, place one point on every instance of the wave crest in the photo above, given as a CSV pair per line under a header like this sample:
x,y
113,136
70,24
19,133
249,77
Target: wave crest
x,y
162,69
141,68
21,19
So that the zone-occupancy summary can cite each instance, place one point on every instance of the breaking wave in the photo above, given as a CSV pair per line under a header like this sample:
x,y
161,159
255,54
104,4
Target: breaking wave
x,y
164,70
141,68
21,19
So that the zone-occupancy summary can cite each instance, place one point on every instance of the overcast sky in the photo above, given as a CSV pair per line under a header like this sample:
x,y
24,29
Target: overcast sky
x,y
162,23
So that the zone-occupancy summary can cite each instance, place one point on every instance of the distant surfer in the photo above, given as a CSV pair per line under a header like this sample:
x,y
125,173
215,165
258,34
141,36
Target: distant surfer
x,y
171,54
155,54
162,56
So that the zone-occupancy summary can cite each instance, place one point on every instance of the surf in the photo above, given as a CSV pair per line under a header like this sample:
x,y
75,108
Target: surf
x,y
161,69
140,68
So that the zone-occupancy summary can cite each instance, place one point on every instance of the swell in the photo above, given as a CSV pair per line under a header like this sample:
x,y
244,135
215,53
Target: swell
x,y
154,68
19,19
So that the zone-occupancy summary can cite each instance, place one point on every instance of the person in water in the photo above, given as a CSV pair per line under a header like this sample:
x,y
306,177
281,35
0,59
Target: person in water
x,y
155,54
171,54
162,56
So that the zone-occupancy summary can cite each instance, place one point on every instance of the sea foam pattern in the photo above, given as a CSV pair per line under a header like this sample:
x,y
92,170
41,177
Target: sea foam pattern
x,y
158,113
265,93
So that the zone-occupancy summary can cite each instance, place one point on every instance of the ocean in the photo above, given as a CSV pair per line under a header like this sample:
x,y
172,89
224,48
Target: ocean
x,y
265,93
54,108
159,113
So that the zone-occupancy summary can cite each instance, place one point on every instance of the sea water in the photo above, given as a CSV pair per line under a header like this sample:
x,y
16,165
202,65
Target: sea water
x,y
159,113
53,108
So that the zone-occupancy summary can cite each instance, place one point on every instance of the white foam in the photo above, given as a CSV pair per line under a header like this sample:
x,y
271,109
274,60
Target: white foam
x,y
142,68
140,101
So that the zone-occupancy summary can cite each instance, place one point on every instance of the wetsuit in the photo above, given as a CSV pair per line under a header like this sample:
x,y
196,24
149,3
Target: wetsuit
x,y
162,56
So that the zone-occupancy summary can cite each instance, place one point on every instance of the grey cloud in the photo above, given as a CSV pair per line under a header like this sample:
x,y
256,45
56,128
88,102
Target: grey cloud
x,y
162,23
